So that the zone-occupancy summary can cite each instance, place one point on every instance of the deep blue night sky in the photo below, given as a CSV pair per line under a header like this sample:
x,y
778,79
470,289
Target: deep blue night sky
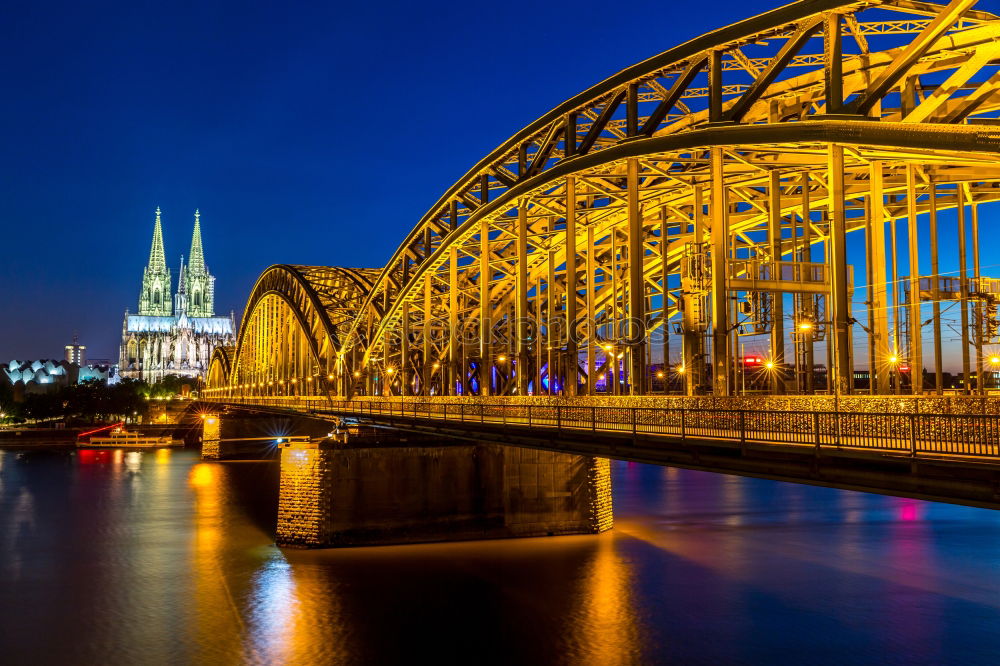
x,y
313,133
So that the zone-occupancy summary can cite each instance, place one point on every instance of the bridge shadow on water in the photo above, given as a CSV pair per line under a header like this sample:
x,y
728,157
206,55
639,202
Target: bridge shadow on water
x,y
252,486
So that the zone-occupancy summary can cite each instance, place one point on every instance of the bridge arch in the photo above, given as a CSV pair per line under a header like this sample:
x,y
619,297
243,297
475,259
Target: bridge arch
x,y
219,368
705,198
294,322
748,149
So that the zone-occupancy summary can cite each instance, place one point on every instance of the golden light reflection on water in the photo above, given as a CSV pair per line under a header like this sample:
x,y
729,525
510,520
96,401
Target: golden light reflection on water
x,y
271,612
294,614
604,631
217,624
133,461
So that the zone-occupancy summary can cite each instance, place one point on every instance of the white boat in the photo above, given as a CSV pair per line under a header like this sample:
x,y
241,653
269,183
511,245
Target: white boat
x,y
123,439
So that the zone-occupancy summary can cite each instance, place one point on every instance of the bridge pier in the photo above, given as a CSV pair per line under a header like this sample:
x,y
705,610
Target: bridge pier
x,y
342,493
211,434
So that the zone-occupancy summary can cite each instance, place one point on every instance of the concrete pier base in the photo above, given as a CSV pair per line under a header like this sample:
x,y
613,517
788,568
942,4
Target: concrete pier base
x,y
333,494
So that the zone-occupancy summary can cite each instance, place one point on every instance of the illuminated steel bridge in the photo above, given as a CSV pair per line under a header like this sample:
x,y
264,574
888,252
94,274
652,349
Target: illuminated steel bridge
x,y
806,185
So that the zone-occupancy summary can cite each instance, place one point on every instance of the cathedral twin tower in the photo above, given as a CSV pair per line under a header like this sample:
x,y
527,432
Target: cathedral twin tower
x,y
173,334
196,286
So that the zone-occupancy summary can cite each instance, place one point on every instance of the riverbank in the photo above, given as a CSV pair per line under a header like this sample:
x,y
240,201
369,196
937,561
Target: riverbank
x,y
38,437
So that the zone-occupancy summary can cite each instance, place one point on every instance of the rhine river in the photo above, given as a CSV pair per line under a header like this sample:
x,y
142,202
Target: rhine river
x,y
155,557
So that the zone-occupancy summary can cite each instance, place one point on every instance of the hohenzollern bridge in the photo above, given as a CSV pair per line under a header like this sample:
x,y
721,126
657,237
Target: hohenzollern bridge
x,y
764,221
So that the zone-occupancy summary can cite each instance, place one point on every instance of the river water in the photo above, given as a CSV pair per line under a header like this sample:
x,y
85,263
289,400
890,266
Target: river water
x,y
155,557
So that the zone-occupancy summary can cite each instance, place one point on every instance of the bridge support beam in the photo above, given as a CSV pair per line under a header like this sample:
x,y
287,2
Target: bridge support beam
x,y
335,493
842,372
719,207
636,332
521,326
881,368
774,232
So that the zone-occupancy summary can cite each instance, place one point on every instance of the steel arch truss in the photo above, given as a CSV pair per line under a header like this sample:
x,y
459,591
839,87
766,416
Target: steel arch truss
x,y
296,319
220,367
704,193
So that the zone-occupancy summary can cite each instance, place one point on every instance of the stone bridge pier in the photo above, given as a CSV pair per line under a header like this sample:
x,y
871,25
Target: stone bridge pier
x,y
358,490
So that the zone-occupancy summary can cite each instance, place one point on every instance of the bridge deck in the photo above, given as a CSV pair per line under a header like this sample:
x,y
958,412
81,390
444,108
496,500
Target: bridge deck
x,y
916,435
940,457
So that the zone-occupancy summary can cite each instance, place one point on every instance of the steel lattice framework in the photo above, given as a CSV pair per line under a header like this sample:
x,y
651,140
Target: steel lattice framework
x,y
700,196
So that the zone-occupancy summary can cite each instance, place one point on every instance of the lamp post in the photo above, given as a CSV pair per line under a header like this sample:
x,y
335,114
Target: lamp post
x,y
894,366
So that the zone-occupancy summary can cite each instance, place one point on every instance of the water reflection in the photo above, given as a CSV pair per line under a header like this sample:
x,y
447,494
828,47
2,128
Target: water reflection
x,y
217,624
273,610
133,461
605,629
294,612
154,556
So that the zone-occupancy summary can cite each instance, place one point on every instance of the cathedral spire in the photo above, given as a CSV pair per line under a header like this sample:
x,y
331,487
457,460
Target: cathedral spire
x,y
181,299
196,263
154,299
157,257
199,284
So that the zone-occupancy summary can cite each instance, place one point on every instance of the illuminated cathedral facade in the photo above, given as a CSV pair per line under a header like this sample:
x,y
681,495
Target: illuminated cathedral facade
x,y
174,333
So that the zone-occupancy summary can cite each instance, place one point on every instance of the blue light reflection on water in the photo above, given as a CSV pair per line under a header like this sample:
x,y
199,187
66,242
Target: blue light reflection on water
x,y
799,573
157,557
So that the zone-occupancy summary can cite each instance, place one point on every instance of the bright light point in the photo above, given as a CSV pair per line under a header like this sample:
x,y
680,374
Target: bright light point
x,y
680,370
608,347
329,378
357,373
659,375
437,365
994,359
805,326
769,365
389,371
893,359
501,359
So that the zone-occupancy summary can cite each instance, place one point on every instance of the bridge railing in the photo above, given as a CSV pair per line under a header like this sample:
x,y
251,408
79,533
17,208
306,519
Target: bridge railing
x,y
915,434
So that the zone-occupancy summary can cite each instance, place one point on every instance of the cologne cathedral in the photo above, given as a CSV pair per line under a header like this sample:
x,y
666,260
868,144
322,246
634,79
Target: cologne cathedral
x,y
174,334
